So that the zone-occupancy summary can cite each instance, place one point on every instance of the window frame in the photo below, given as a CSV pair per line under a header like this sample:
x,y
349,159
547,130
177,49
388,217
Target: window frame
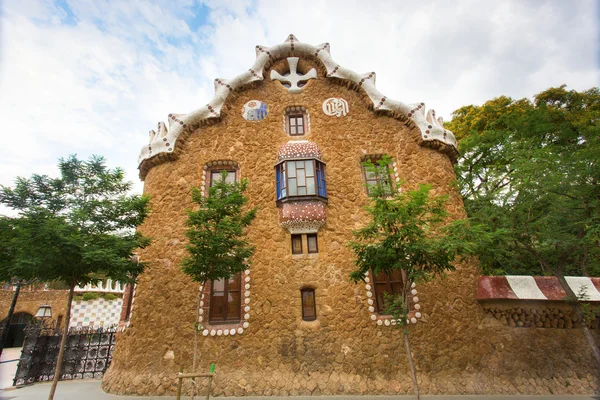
x,y
282,180
297,236
296,116
314,304
375,161
226,319
316,236
380,308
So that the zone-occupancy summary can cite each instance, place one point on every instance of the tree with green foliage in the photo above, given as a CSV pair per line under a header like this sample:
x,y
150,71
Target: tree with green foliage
x,y
407,232
217,248
77,229
530,176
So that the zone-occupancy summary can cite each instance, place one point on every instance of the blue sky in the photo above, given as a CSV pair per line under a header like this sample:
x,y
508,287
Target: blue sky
x,y
93,77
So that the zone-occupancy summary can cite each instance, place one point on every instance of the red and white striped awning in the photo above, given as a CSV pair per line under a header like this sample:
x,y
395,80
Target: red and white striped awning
x,y
513,287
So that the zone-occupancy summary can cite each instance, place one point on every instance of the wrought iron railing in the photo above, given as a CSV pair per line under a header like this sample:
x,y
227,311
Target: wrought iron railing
x,y
88,354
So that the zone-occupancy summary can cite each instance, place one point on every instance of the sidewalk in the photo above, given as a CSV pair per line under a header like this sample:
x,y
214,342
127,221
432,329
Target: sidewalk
x,y
8,366
90,390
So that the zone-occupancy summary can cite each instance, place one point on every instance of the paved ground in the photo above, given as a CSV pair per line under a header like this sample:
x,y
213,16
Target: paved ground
x,y
90,390
8,366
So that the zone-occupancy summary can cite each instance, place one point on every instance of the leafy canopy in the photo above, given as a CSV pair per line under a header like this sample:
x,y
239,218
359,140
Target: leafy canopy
x,y
77,228
530,175
406,232
217,246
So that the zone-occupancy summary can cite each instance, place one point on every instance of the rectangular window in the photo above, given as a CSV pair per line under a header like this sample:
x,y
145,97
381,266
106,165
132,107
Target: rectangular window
x,y
215,176
312,244
225,300
296,125
372,178
296,244
309,309
391,283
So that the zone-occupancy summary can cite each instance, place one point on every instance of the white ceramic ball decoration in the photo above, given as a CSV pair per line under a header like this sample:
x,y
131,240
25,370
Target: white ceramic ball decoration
x,y
369,294
219,332
413,285
247,272
240,330
246,300
379,322
200,311
418,314
247,286
247,308
205,332
413,320
232,332
368,287
213,332
226,332
247,279
246,325
246,316
414,292
371,309
373,317
370,301
367,279
247,293
199,319
417,306
387,322
415,299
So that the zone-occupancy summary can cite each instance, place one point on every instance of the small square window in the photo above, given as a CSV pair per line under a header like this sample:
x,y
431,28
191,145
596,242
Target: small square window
x,y
296,125
296,244
311,239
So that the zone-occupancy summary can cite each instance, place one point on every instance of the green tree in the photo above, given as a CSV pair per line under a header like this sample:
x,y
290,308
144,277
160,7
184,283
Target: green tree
x,y
218,248
530,175
76,229
407,232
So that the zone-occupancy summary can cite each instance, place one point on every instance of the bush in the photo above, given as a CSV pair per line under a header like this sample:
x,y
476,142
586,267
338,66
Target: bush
x,y
90,296
109,296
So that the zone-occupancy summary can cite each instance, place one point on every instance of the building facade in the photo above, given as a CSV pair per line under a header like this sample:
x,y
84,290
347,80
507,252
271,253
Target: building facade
x,y
299,126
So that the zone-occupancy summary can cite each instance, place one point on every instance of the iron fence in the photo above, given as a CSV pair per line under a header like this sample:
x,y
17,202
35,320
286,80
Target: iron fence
x,y
88,353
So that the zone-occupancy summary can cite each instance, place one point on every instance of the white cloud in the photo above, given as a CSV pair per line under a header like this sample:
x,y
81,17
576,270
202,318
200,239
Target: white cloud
x,y
96,77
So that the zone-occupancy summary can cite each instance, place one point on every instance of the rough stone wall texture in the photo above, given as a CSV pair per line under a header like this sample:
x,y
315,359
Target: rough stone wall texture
x,y
30,301
457,347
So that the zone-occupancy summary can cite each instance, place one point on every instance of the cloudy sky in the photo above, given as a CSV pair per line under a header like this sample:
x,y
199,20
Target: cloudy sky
x,y
93,77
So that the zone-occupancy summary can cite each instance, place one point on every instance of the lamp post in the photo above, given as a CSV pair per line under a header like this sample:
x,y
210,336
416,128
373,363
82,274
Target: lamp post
x,y
44,316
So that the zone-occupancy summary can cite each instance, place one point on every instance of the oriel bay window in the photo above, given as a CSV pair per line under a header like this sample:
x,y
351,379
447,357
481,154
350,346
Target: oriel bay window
x,y
226,300
300,178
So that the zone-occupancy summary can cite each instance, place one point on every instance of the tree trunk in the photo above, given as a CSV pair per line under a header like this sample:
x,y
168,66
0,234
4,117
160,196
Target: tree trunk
x,y
577,307
63,342
195,360
411,363
11,311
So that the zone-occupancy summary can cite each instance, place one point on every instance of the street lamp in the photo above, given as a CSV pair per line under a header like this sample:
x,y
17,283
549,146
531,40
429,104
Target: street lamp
x,y
45,311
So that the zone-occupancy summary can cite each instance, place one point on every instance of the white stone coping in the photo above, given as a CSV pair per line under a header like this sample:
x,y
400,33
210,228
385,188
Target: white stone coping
x,y
165,139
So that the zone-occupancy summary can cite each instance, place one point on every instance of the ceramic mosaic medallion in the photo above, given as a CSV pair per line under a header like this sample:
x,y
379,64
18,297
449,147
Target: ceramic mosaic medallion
x,y
254,110
335,107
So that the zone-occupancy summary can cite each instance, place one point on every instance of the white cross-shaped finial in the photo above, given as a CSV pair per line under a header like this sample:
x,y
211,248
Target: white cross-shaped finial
x,y
294,78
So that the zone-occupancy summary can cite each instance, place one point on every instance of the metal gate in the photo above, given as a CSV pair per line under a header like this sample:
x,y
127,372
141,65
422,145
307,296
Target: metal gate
x,y
88,354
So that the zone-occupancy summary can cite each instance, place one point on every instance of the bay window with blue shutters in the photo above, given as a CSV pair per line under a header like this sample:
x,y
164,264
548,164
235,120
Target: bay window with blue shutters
x,y
300,179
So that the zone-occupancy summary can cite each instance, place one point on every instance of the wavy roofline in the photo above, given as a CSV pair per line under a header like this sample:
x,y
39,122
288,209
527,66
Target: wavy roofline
x,y
166,142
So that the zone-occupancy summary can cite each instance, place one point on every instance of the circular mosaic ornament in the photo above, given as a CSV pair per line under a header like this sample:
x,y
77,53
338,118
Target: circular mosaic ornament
x,y
254,110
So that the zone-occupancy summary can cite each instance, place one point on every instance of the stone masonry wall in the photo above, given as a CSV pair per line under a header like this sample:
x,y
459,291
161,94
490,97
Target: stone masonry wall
x,y
30,301
457,347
